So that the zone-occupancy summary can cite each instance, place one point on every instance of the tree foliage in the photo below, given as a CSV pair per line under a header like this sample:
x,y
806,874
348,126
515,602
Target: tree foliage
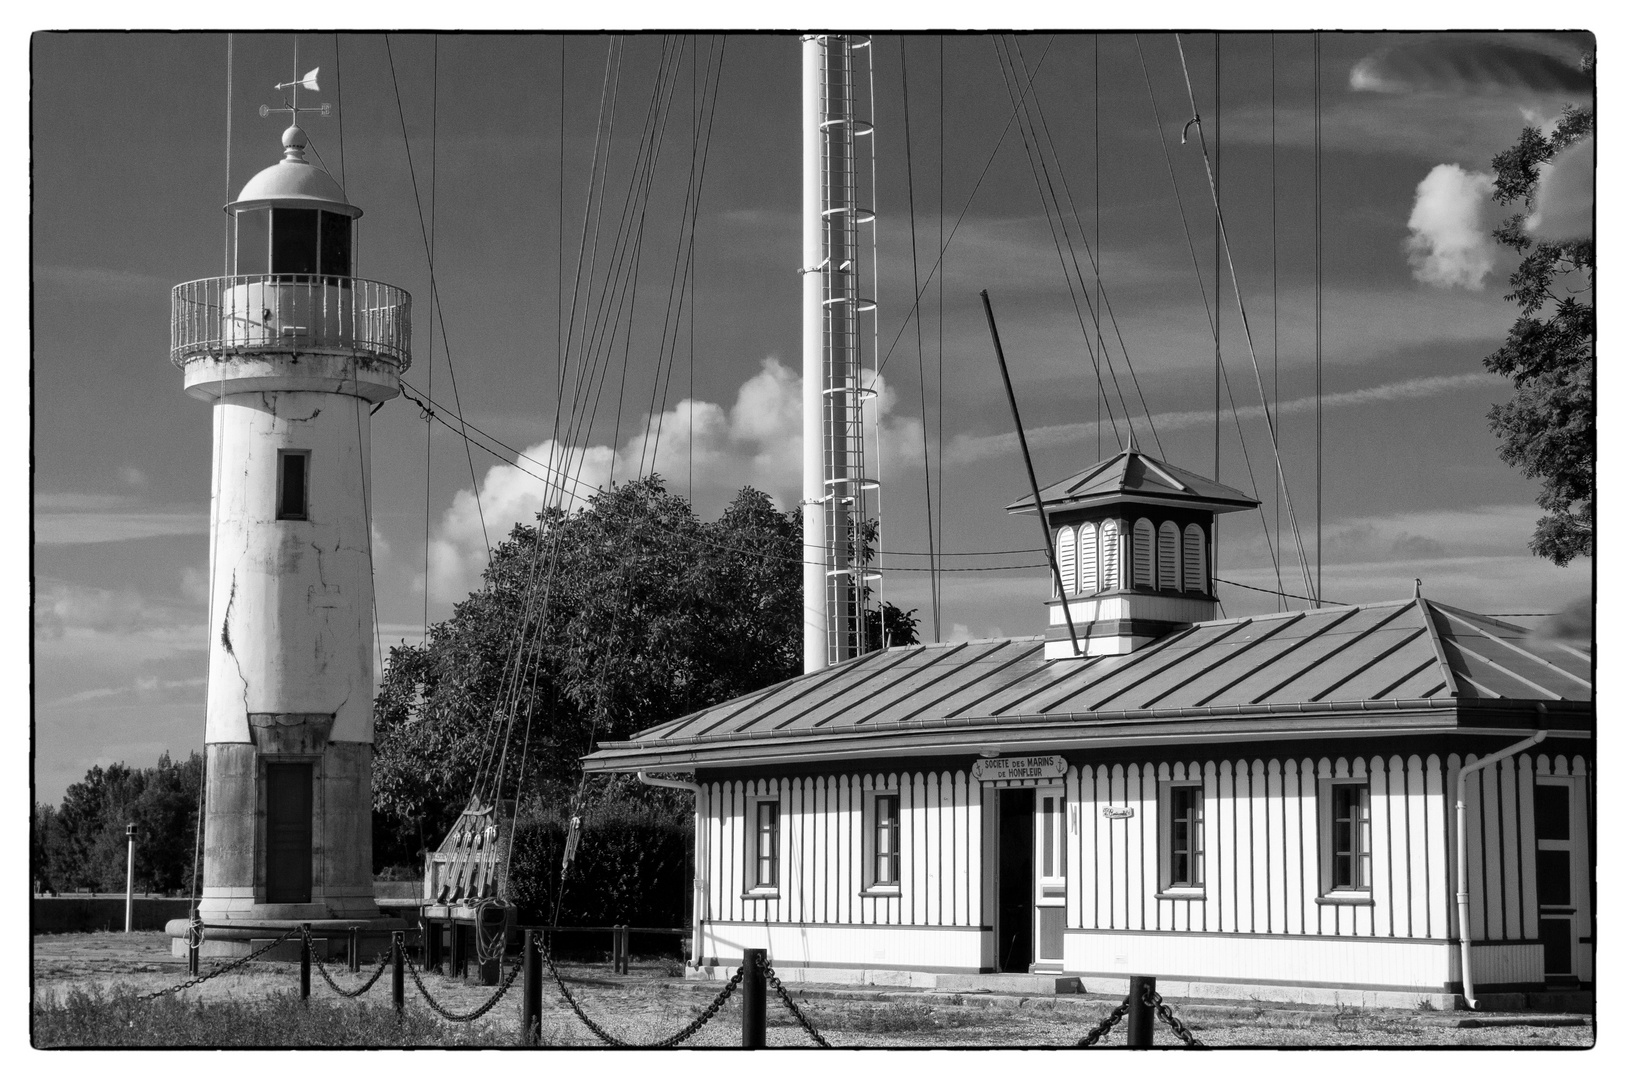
x,y
1547,430
592,626
82,843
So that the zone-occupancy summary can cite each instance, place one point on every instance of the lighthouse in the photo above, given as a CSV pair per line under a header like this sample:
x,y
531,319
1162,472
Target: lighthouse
x,y
295,354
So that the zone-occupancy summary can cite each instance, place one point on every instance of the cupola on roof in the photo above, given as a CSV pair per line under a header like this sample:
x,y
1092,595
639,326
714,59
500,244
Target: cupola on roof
x,y
1134,476
294,182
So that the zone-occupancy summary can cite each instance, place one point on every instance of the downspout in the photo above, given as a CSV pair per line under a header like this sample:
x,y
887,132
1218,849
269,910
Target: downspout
x,y
1464,927
699,897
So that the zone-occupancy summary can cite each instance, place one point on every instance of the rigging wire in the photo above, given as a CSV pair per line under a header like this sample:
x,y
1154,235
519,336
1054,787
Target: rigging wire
x,y
932,273
1318,263
434,292
942,150
1040,184
1275,305
1208,312
429,429
920,346
1104,300
1246,329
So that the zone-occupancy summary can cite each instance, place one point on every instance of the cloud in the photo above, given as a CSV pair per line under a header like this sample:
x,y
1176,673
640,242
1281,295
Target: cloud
x,y
1472,63
110,626
1563,208
77,518
964,449
756,441
1449,244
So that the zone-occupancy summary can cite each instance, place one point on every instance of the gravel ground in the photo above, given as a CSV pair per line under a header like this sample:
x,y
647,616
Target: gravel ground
x,y
651,1003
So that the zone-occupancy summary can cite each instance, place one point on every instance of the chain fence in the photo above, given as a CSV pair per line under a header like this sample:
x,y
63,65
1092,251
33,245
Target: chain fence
x,y
383,963
1155,1000
1099,1031
472,1015
671,1040
239,962
790,1003
1152,1000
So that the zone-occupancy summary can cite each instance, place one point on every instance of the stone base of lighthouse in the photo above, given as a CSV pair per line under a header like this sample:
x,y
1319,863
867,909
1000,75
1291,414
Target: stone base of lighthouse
x,y
287,839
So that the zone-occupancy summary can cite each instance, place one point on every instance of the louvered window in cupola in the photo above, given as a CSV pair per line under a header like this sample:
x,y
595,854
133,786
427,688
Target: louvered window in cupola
x,y
1067,559
1087,583
1109,556
1168,557
1144,576
1196,562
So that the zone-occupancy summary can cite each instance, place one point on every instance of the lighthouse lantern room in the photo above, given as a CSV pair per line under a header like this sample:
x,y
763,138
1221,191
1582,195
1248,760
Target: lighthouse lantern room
x,y
294,353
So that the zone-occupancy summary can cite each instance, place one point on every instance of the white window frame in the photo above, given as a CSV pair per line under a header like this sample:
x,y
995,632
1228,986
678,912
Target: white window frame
x,y
1168,557
872,822
1050,809
757,888
1067,559
1089,581
1198,888
1361,891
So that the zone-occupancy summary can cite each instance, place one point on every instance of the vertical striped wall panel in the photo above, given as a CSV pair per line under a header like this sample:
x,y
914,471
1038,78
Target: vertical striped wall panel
x,y
1263,827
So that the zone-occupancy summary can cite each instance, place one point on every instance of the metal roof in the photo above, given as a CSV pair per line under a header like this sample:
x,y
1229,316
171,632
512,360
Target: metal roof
x,y
1411,661
1130,474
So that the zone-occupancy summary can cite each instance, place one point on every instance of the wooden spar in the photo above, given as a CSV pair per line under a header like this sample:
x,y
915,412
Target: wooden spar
x,y
1033,481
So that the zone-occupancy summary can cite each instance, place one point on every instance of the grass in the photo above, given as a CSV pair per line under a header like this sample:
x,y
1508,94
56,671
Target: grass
x,y
117,1016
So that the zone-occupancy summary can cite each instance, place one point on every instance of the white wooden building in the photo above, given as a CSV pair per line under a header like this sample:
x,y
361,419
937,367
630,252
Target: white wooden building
x,y
1261,806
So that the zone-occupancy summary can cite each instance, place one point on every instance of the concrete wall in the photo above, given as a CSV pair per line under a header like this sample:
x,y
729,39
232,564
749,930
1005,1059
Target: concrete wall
x,y
85,913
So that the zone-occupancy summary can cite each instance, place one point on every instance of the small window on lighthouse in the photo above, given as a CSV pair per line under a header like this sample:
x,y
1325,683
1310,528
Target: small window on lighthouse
x,y
293,485
293,240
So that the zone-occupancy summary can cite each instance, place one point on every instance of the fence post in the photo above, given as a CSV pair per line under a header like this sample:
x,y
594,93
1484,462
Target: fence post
x,y
530,1013
754,1000
129,881
355,948
304,961
430,944
192,935
460,960
398,973
1140,1013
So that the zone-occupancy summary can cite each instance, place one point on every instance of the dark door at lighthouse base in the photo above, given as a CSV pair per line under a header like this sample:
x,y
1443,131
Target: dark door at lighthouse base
x,y
288,834
1013,932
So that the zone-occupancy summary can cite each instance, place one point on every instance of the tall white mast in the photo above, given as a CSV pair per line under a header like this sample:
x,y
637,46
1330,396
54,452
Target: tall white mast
x,y
834,483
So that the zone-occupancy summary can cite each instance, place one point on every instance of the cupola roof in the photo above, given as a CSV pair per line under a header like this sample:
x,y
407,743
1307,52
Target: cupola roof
x,y
1133,476
294,182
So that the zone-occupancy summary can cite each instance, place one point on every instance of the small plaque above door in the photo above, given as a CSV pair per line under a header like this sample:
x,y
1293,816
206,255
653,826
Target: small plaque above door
x,y
1038,767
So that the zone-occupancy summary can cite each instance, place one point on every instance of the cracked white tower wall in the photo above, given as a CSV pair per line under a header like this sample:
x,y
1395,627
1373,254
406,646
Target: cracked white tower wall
x,y
294,355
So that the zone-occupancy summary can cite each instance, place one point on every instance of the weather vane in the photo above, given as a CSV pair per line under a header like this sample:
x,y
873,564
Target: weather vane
x,y
308,81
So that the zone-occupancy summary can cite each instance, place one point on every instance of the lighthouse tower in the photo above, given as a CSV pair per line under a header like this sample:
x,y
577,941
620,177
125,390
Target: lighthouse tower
x,y
294,353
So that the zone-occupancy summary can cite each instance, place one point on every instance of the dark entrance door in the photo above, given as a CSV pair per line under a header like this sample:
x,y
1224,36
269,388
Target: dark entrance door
x,y
1013,932
1554,849
288,834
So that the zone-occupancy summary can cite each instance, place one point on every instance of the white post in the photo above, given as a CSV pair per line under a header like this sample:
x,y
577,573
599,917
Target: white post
x,y
129,881
815,644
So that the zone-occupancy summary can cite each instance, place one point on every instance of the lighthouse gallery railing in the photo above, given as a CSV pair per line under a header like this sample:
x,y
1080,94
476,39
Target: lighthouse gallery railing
x,y
283,312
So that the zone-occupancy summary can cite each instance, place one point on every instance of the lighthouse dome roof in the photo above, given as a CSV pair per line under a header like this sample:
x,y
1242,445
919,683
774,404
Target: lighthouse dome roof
x,y
294,182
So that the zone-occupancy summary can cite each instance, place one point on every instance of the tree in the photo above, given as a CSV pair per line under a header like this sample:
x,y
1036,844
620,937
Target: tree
x,y
1547,430
591,626
83,844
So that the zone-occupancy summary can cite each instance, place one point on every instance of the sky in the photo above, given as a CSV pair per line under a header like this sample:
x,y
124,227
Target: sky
x,y
130,171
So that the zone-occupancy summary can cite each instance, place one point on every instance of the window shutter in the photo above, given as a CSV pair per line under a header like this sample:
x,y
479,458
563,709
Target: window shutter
x,y
1196,575
1109,556
1087,559
1143,576
1067,559
1168,556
